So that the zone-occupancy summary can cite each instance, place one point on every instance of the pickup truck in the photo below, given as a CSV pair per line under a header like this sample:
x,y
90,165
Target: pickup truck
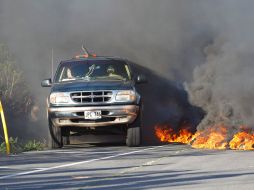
x,y
93,94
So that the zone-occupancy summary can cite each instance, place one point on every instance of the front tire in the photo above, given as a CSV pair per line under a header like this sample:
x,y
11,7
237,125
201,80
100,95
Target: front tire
x,y
55,137
133,137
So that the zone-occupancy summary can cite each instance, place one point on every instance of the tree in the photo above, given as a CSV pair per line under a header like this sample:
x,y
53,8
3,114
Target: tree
x,y
13,89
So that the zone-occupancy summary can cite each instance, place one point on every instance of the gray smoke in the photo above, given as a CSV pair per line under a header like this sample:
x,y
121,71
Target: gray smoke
x,y
223,86
159,35
172,38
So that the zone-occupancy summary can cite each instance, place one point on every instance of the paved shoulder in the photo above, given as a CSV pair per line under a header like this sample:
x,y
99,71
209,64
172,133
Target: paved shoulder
x,y
120,167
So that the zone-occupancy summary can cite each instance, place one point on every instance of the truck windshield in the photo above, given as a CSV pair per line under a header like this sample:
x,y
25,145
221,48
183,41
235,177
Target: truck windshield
x,y
93,70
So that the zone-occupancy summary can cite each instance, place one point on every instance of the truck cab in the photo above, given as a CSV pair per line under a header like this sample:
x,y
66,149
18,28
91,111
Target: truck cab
x,y
92,93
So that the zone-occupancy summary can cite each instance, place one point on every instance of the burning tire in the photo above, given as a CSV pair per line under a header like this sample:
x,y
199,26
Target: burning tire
x,y
55,138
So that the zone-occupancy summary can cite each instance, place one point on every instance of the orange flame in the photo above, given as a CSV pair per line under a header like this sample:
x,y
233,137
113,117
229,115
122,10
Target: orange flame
x,y
167,134
215,137
242,141
211,138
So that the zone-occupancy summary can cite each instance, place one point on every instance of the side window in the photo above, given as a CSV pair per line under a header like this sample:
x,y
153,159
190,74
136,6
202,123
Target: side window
x,y
64,74
59,74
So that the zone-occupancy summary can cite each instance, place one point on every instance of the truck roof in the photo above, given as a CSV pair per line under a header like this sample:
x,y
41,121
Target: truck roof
x,y
93,58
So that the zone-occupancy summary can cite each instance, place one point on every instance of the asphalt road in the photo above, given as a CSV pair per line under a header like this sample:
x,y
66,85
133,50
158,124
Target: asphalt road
x,y
120,167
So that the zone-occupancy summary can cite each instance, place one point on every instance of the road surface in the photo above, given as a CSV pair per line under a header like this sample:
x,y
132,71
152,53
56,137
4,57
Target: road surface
x,y
120,167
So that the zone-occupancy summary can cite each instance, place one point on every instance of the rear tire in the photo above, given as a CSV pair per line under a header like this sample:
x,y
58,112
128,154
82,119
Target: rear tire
x,y
65,135
66,140
55,137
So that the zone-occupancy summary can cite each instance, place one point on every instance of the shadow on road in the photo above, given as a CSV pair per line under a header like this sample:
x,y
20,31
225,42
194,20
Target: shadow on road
x,y
129,181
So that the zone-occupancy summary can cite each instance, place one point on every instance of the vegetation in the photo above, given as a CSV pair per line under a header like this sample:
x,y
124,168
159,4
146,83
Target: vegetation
x,y
14,92
34,145
16,98
18,147
15,147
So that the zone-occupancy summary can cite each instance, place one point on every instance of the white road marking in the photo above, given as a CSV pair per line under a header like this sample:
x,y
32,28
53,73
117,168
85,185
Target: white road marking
x,y
77,163
149,163
4,167
39,168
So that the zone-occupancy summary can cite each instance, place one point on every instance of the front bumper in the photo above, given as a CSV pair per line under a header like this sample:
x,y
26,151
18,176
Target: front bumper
x,y
111,115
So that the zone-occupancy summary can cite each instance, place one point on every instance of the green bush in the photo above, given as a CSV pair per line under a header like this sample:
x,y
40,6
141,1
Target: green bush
x,y
15,147
18,147
34,146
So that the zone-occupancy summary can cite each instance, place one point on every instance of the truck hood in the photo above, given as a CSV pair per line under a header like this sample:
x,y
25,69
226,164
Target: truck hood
x,y
92,85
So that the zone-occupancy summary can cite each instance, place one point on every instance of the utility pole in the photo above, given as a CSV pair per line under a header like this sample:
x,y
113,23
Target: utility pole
x,y
52,64
6,137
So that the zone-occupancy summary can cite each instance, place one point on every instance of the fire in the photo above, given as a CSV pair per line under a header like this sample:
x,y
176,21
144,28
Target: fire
x,y
167,134
214,137
242,141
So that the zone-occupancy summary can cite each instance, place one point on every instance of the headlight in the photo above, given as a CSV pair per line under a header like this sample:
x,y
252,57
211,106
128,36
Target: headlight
x,y
125,96
59,97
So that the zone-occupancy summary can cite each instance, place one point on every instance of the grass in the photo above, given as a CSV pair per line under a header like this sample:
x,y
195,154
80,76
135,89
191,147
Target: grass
x,y
18,147
34,146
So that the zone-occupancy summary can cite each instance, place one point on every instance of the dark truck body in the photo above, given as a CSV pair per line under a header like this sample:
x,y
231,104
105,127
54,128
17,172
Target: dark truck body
x,y
87,103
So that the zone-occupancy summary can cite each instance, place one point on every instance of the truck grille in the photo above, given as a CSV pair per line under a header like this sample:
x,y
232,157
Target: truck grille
x,y
91,96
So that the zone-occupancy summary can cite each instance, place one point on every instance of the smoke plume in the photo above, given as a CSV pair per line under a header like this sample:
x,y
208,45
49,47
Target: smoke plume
x,y
223,85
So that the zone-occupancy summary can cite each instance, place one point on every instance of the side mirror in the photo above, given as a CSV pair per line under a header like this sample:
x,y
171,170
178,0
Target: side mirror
x,y
141,79
46,83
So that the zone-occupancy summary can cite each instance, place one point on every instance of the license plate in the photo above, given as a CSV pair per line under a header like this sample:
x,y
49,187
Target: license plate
x,y
92,114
